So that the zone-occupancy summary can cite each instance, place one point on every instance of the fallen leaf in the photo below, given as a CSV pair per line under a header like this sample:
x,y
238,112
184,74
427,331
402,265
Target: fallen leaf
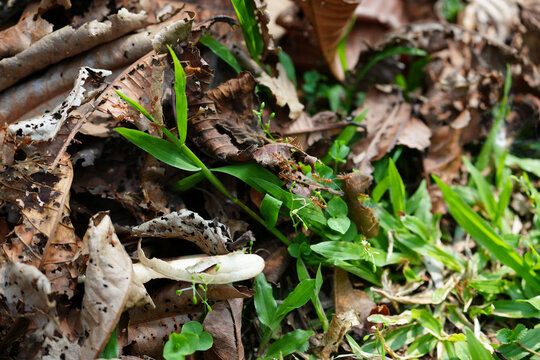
x,y
283,90
224,323
362,215
340,325
330,19
348,298
108,277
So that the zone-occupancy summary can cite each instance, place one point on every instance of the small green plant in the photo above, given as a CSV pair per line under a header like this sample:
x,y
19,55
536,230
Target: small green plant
x,y
270,316
264,125
200,293
191,339
245,11
451,9
110,351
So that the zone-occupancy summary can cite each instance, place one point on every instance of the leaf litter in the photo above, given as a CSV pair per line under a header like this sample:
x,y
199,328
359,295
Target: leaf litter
x,y
75,199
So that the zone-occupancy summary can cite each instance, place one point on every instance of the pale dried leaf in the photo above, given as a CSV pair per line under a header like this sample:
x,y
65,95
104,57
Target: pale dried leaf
x,y
212,237
108,278
330,19
284,91
415,135
59,347
172,34
217,269
494,19
67,42
87,85
348,298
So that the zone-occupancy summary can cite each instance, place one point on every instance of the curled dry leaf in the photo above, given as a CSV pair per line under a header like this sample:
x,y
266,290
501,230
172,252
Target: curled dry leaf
x,y
283,90
330,19
30,28
212,237
108,278
87,85
494,19
224,323
67,42
45,91
363,217
217,269
348,298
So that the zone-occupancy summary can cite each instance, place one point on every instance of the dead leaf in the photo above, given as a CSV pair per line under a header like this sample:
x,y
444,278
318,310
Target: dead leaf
x,y
494,19
340,325
108,277
210,236
30,28
283,90
67,42
356,185
330,19
224,323
348,298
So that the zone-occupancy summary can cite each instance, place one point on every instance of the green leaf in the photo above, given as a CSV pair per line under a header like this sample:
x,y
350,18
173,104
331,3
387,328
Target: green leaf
x,y
515,309
222,51
297,298
159,148
110,351
193,327
270,209
484,235
293,341
265,304
245,12
486,195
180,96
506,335
337,207
177,347
476,349
397,189
340,250
529,165
528,340
188,182
428,321
288,65
422,345
360,270
205,341
340,224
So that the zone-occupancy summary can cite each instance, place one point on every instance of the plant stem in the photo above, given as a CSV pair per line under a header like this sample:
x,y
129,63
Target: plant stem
x,y
209,175
264,341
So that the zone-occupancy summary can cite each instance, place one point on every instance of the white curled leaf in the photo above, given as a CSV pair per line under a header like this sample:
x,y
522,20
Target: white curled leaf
x,y
217,269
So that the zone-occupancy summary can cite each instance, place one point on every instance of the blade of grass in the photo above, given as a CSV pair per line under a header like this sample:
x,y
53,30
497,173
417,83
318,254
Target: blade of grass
x,y
245,11
484,235
222,51
485,193
397,189
180,96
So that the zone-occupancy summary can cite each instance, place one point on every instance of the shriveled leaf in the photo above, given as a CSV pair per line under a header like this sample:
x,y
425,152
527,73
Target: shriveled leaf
x,y
224,323
341,324
284,91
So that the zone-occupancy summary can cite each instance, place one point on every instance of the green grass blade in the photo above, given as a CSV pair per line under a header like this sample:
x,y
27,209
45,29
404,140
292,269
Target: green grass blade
x,y
136,106
180,96
288,343
245,11
485,193
484,235
270,209
159,148
221,51
188,182
397,189
288,65
297,298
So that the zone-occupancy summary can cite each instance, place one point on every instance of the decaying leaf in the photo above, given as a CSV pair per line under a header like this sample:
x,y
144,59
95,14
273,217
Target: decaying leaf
x,y
330,19
67,42
46,238
224,323
340,325
108,278
217,269
362,215
88,84
30,28
211,237
283,90
227,126
347,298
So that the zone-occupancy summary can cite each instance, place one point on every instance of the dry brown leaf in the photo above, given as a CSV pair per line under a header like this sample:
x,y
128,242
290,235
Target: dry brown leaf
x,y
108,277
415,135
224,323
210,236
363,217
348,298
283,90
24,97
494,19
67,42
330,19
30,28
